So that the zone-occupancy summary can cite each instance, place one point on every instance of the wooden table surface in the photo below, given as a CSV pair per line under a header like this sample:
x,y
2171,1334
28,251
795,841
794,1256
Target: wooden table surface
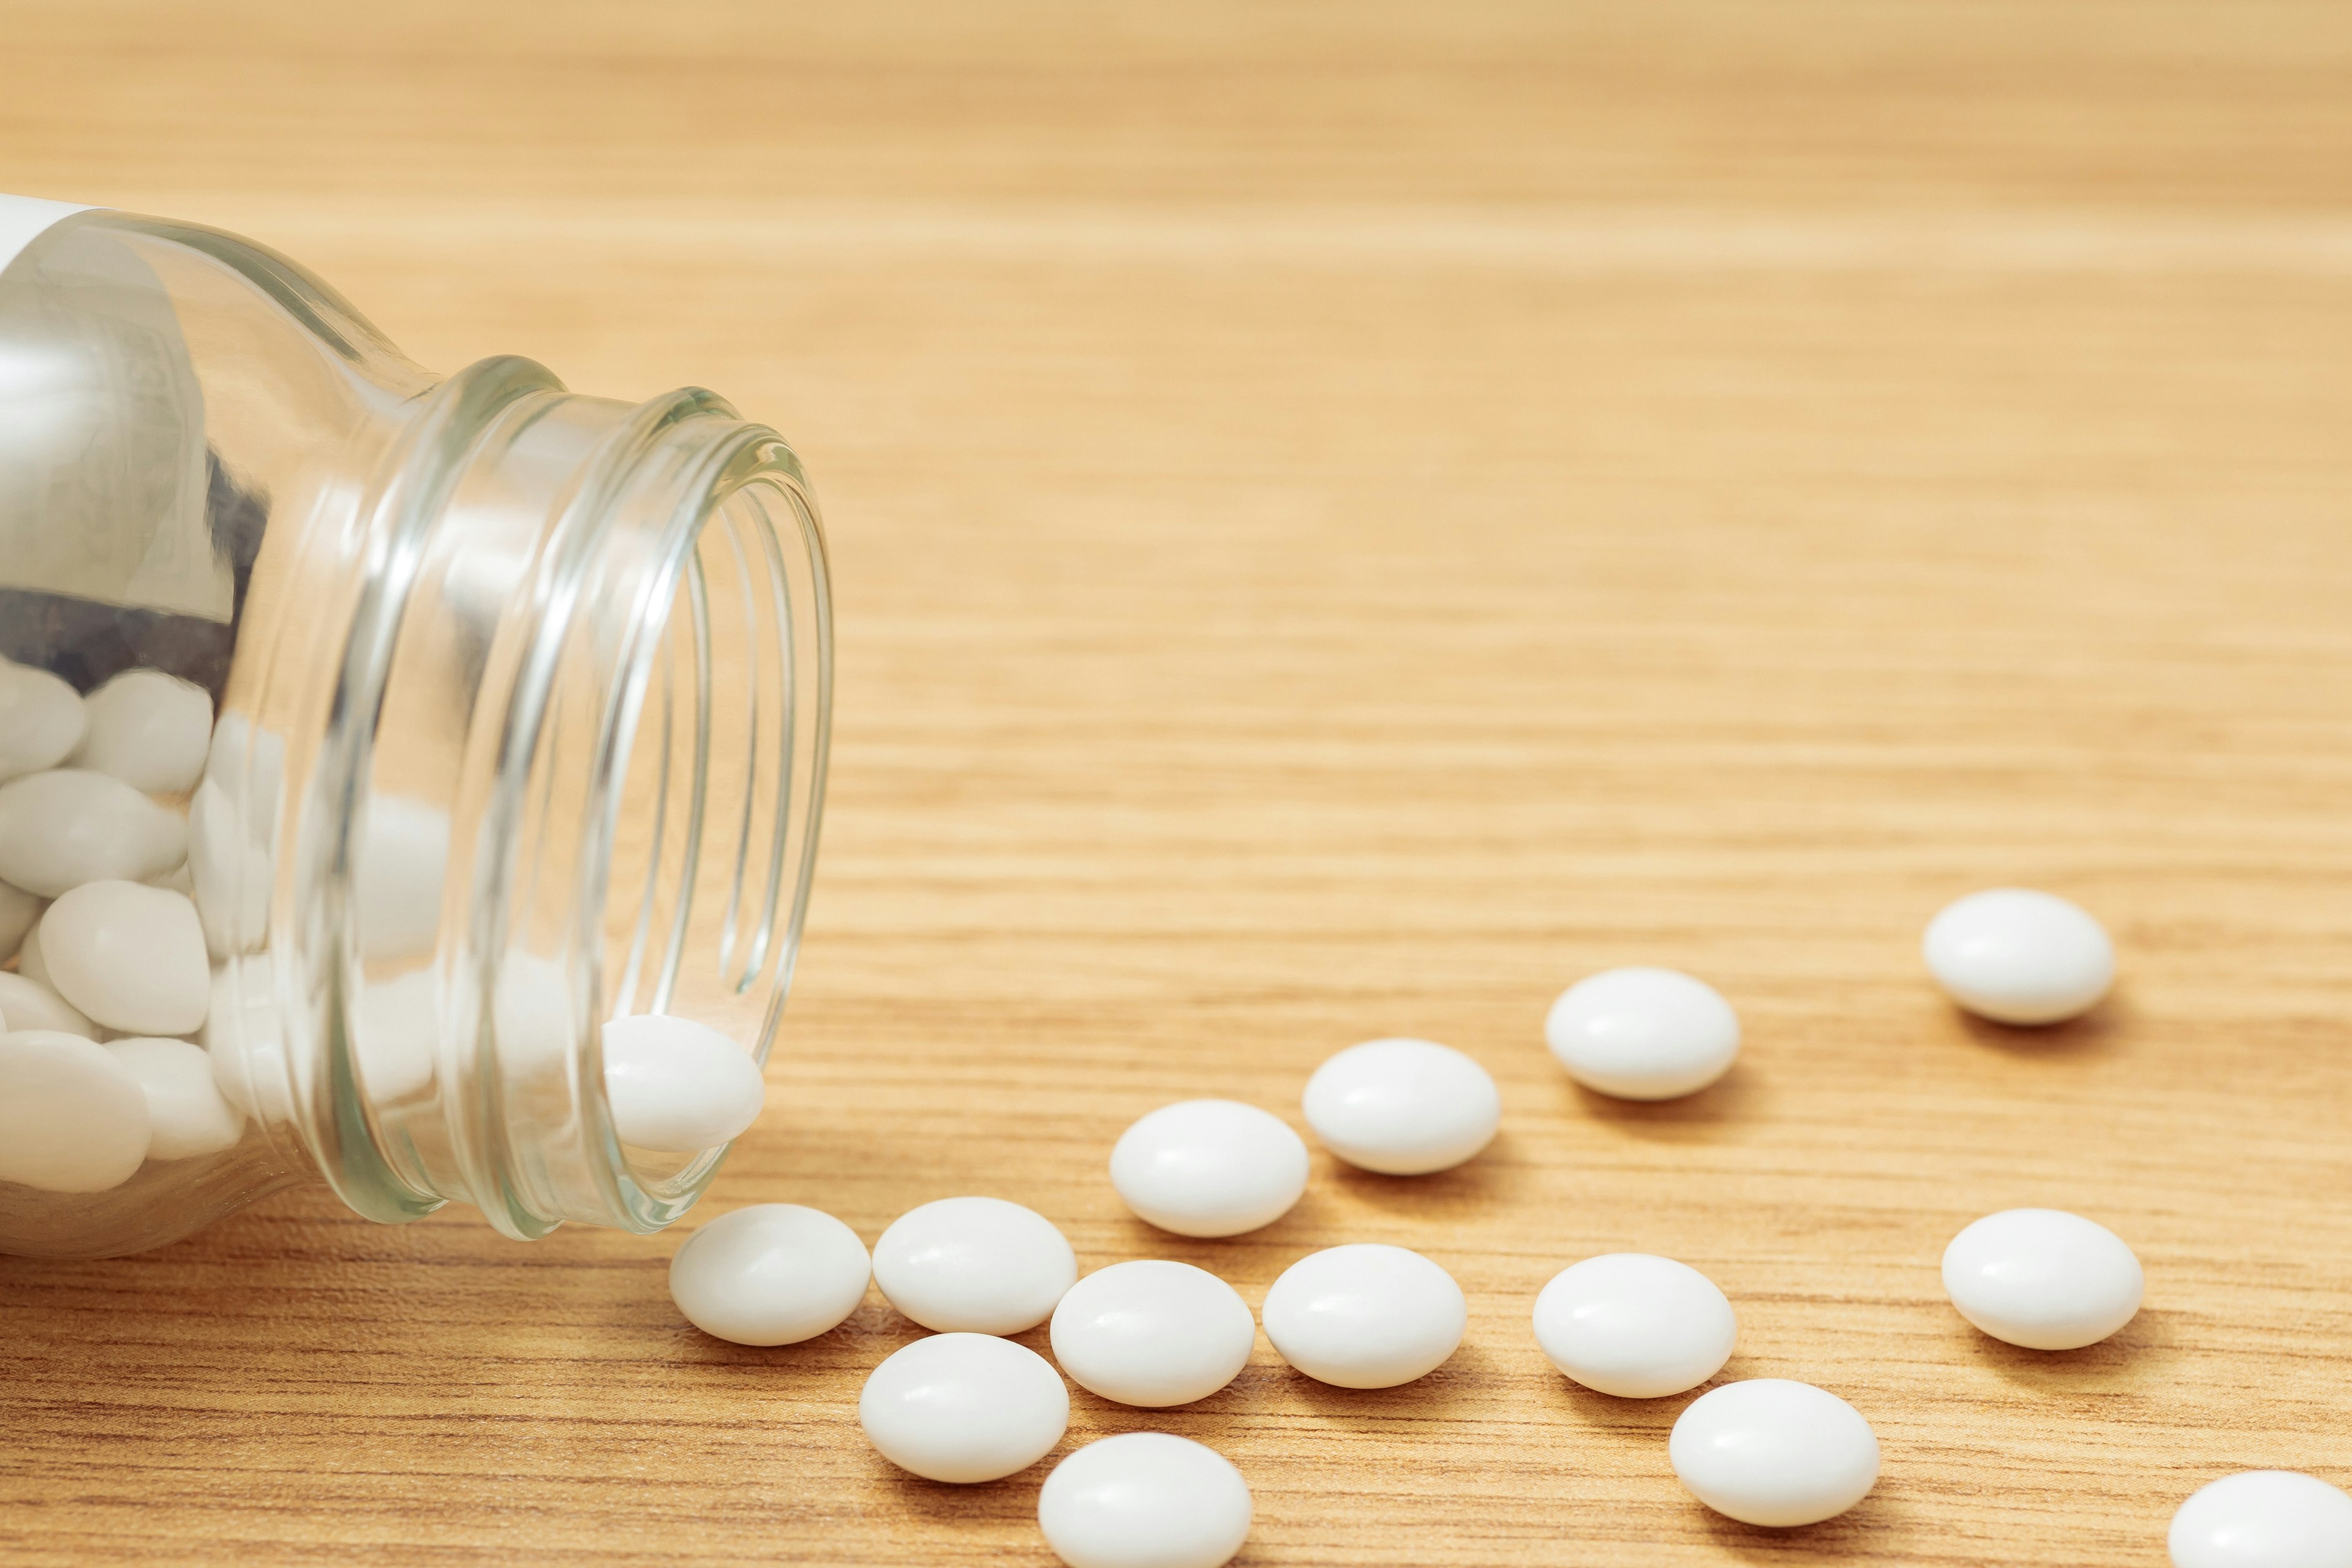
x,y
1347,518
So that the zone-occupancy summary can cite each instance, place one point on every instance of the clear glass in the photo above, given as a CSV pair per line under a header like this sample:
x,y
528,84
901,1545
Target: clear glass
x,y
519,705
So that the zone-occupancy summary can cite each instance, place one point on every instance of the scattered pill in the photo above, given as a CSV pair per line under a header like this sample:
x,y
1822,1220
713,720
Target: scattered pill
x,y
18,910
1643,1034
1365,1315
149,730
678,1086
2264,1518
72,1117
131,956
1144,1499
1774,1452
2017,956
28,1003
964,1407
402,861
1404,1108
67,827
229,874
41,719
1635,1325
773,1274
1152,1334
186,1107
977,1265
2043,1279
246,1038
1209,1167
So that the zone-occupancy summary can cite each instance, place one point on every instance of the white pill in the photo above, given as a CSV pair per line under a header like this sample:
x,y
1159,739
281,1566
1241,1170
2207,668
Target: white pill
x,y
1635,1325
229,872
246,1038
980,1265
1643,1034
1152,1334
249,765
149,730
1209,1167
1404,1108
18,910
398,1024
2043,1279
1774,1452
28,1003
402,861
2019,957
964,1407
69,825
1365,1315
1144,1499
773,1274
41,719
131,956
678,1086
72,1117
185,1104
2264,1518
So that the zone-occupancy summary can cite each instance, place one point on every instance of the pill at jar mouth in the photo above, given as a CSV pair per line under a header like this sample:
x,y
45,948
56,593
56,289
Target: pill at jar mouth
x,y
41,719
18,910
1636,1325
964,1407
69,825
976,1265
249,765
131,956
402,862
677,1086
72,1117
1643,1034
1365,1315
397,1025
772,1274
1152,1333
2264,1518
2018,956
150,729
1209,1167
229,874
28,1003
1774,1452
246,1038
1145,1499
2043,1279
186,1107
1403,1107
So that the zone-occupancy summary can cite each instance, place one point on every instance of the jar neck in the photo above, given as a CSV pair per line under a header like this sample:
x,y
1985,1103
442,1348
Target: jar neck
x,y
553,674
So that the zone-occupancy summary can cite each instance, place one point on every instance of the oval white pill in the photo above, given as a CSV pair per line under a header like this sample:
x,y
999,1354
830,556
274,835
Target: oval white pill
x,y
2043,1279
70,825
397,1026
41,719
773,1274
18,910
1403,1107
189,1114
149,730
2264,1518
1144,1499
403,861
249,765
1152,1333
28,1003
2017,956
1774,1452
1643,1034
72,1117
1365,1315
678,1086
131,956
976,1265
1209,1167
1635,1325
964,1407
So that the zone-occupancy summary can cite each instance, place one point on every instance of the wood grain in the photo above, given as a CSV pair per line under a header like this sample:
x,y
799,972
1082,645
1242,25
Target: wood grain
x,y
1348,519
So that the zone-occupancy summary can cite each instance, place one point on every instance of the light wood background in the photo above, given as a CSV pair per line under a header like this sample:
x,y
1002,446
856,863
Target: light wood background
x,y
1348,518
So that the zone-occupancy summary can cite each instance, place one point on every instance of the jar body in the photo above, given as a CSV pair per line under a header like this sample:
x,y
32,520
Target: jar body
x,y
420,723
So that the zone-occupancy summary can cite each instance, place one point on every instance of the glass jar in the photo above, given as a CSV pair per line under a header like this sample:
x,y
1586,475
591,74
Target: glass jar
x,y
460,715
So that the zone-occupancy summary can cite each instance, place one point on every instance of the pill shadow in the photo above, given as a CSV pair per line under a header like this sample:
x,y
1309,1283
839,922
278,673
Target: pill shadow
x,y
1865,1533
2097,1033
1463,1386
1012,1499
1737,1097
1486,1179
2136,1355
1647,1419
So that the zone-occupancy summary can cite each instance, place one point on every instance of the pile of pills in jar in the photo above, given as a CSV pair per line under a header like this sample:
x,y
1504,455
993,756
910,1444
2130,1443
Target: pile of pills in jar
x,y
140,1022
967,1406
